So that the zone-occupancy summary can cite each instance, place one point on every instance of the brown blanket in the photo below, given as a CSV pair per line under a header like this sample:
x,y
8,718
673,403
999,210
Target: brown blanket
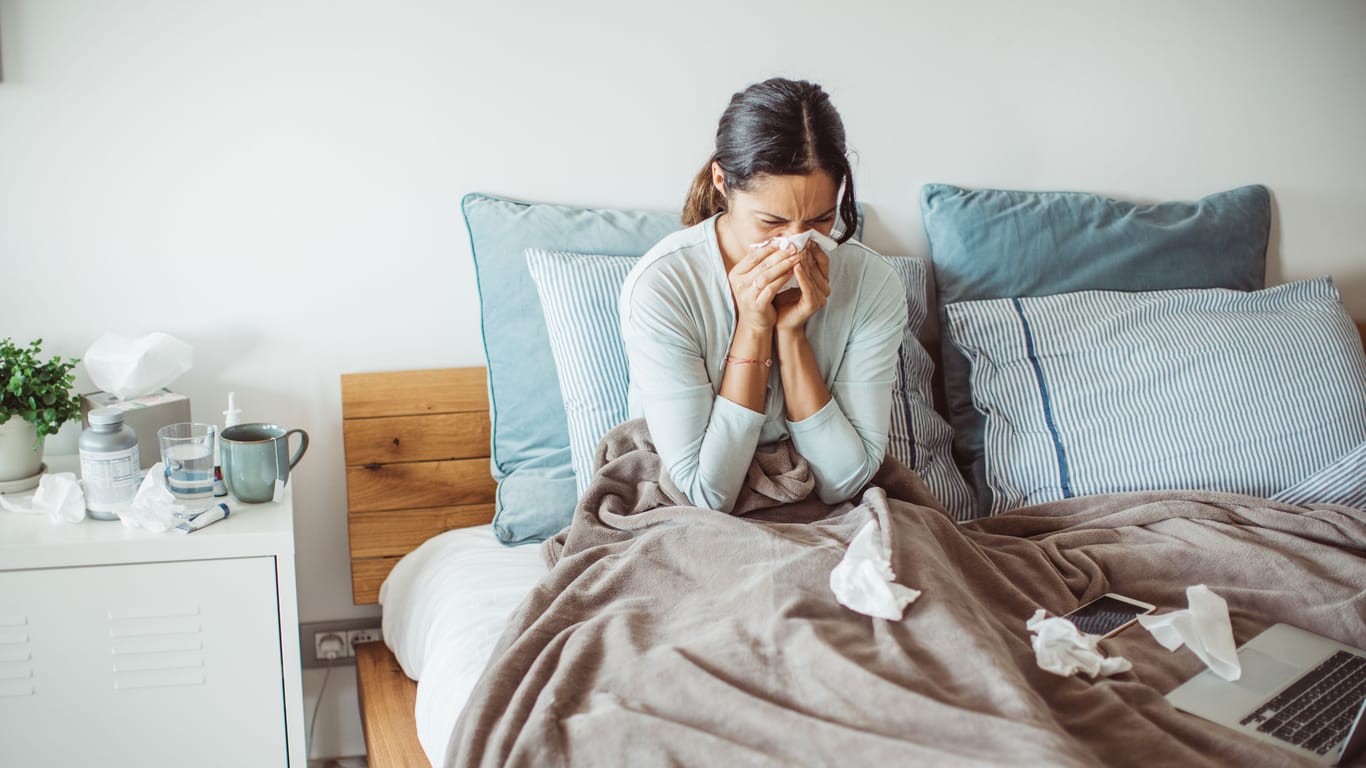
x,y
666,634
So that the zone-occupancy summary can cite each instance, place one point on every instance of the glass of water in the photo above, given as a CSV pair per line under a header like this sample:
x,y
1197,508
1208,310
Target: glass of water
x,y
187,452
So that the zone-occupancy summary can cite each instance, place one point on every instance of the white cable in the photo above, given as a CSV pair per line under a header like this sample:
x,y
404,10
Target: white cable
x,y
313,719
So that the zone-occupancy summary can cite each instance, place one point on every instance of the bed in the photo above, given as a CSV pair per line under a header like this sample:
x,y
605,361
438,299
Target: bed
x,y
421,500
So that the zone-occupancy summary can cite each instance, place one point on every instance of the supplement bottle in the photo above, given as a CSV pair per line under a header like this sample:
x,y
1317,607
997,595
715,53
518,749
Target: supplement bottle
x,y
109,463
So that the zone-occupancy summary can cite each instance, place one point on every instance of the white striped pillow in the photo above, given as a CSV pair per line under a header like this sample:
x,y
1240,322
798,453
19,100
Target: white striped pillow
x,y
919,437
1342,482
1104,392
578,295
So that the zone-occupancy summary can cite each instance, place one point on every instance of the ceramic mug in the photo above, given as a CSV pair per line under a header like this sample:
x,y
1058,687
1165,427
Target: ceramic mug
x,y
256,461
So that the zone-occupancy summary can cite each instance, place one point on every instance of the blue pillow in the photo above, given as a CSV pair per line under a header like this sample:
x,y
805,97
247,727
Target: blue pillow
x,y
993,244
579,295
1106,392
530,442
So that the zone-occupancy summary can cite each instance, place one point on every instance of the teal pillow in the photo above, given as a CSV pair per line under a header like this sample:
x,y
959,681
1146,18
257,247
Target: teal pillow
x,y
995,244
530,444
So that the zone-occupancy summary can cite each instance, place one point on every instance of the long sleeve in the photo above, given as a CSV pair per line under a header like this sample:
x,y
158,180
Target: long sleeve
x,y
704,440
846,440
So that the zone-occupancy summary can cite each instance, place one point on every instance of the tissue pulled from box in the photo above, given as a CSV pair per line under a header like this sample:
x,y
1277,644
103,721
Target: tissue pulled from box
x,y
154,507
799,242
132,367
59,495
1203,627
863,580
1064,650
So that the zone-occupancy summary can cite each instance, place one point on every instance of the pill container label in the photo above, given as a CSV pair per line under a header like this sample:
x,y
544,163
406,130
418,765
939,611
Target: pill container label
x,y
110,478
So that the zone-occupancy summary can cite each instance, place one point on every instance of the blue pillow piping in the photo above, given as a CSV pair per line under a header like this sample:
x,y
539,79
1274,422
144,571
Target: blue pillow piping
x,y
1047,403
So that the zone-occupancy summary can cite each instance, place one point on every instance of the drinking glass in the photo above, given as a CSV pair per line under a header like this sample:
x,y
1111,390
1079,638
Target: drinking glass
x,y
187,452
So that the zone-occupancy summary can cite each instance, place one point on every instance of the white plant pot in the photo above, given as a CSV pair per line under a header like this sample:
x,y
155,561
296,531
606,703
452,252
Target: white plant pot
x,y
18,458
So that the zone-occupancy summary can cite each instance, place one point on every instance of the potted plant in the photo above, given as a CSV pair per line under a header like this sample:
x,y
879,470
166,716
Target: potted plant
x,y
35,400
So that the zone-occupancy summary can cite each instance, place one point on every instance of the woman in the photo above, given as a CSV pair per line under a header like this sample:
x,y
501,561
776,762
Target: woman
x,y
722,357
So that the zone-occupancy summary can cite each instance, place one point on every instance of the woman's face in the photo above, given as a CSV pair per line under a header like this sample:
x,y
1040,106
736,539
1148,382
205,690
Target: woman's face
x,y
779,205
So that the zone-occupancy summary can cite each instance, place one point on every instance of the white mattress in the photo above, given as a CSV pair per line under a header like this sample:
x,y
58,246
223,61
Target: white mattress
x,y
445,605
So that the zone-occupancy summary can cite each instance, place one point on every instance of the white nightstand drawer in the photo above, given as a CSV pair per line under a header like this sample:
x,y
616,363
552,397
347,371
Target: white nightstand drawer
x,y
177,663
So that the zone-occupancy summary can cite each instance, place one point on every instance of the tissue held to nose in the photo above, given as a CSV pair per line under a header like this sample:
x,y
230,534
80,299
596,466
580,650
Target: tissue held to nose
x,y
798,242
863,580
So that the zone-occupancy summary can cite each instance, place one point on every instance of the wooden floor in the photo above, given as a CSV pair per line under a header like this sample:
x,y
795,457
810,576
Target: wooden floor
x,y
388,702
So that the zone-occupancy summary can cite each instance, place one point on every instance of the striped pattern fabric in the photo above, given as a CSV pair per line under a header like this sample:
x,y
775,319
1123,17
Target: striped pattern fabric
x,y
1104,392
919,437
578,294
1342,482
579,297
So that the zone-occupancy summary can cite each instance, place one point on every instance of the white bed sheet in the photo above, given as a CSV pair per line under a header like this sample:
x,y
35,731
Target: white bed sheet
x,y
445,605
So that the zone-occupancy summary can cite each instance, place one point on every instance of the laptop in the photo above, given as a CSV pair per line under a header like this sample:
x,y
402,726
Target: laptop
x,y
1300,691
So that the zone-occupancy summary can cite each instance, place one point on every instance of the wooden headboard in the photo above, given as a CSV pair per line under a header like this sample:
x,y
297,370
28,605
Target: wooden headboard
x,y
417,463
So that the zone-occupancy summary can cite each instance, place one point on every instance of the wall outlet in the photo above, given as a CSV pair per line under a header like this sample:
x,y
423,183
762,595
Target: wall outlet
x,y
368,635
325,643
312,634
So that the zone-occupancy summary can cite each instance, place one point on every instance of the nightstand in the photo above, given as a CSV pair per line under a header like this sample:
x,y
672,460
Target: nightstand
x,y
120,646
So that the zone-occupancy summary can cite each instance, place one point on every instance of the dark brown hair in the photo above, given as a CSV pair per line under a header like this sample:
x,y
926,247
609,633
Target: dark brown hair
x,y
777,127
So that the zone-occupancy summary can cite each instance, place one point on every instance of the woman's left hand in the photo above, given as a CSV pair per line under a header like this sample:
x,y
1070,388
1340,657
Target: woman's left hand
x,y
795,307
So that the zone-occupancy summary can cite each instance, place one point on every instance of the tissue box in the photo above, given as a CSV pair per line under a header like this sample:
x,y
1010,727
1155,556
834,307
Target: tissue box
x,y
144,414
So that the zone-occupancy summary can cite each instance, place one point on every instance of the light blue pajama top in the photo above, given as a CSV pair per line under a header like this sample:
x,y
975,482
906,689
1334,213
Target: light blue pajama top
x,y
677,321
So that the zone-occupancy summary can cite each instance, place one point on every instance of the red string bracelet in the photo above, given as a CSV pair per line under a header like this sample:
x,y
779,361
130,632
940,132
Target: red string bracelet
x,y
743,360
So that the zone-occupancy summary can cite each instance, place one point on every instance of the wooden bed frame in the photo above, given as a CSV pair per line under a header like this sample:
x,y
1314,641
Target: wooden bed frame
x,y
417,464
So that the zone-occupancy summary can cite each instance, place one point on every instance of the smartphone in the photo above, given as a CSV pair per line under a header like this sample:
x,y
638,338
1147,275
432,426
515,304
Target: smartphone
x,y
1108,614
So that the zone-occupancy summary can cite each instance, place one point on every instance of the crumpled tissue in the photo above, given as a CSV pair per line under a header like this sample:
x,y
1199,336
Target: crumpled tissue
x,y
154,507
799,241
1204,627
59,494
133,367
863,580
1061,648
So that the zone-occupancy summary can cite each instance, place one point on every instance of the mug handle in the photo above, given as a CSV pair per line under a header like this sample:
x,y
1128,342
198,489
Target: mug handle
x,y
303,445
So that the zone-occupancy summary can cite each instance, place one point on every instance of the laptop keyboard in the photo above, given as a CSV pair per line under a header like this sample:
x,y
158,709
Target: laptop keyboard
x,y
1316,712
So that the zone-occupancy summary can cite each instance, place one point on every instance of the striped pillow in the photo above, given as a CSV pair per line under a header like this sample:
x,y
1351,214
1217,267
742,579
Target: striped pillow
x,y
579,297
1342,482
919,437
1103,392
579,294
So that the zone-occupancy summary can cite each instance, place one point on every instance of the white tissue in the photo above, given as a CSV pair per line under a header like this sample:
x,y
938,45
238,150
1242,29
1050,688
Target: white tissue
x,y
1204,627
1061,648
863,580
799,242
59,495
131,368
154,507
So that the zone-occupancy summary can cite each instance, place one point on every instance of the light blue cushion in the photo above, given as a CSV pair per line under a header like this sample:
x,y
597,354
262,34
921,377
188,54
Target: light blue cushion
x,y
1342,482
994,244
530,443
1104,392
579,295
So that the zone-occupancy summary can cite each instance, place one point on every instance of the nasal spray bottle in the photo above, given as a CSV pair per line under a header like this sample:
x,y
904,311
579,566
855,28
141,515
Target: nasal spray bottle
x,y
231,418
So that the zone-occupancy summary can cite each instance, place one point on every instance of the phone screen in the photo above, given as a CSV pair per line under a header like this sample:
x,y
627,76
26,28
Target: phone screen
x,y
1104,615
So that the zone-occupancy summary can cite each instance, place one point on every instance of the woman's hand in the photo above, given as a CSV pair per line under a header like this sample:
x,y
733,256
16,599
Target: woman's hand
x,y
754,282
794,308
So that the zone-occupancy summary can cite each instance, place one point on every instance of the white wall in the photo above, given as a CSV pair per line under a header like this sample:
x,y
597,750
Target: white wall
x,y
278,183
